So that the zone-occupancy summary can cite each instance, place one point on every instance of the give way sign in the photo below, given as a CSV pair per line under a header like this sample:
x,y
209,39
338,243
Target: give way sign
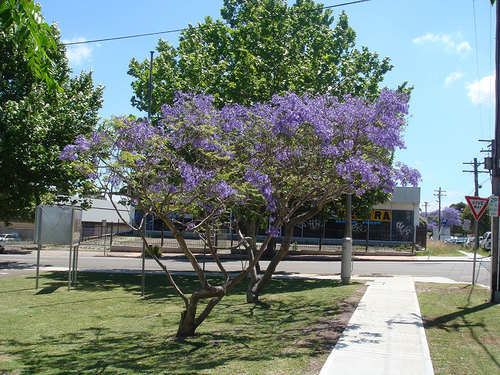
x,y
477,205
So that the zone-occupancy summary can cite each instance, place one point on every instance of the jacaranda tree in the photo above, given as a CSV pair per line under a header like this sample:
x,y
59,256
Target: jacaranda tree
x,y
288,157
258,49
450,214
308,151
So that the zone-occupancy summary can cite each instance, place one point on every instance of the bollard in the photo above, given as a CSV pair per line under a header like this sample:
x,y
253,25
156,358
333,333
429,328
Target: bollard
x,y
346,262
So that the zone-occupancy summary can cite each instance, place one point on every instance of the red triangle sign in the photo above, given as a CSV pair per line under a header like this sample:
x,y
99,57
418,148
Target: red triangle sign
x,y
477,205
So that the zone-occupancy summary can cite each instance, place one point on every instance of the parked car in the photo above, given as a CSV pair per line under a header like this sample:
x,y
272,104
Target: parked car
x,y
485,243
9,237
2,248
470,242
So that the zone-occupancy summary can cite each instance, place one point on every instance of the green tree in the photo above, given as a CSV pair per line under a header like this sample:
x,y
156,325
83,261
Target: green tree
x,y
261,48
484,220
22,23
36,122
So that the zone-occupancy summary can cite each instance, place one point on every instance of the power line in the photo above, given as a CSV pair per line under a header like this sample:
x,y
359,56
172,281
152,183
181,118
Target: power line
x,y
349,3
183,29
477,64
124,37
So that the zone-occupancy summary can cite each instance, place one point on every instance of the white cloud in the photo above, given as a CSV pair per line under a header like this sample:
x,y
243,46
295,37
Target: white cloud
x,y
464,48
453,77
78,54
448,42
483,91
426,38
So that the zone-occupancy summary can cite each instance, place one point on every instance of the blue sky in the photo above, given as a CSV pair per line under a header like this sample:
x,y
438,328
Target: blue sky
x,y
444,48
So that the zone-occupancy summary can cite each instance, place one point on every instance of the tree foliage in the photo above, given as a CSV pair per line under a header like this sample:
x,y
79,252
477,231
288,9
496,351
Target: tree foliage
x,y
466,214
36,122
452,215
22,23
261,48
288,158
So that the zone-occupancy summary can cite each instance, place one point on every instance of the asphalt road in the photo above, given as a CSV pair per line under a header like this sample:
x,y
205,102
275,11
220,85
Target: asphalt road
x,y
16,262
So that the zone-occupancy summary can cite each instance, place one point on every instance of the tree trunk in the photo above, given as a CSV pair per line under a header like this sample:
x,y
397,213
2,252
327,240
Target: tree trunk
x,y
254,290
254,272
251,231
189,321
256,287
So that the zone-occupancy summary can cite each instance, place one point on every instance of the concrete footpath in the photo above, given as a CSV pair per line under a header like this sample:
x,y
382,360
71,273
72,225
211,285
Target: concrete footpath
x,y
385,334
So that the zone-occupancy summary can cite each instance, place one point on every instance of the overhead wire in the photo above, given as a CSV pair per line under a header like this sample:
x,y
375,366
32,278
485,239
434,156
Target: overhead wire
x,y
183,29
477,64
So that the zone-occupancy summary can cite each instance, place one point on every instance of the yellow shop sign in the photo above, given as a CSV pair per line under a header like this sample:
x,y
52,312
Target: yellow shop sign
x,y
381,215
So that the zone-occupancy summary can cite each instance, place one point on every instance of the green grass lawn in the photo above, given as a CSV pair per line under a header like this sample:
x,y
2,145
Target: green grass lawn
x,y
462,328
104,326
446,250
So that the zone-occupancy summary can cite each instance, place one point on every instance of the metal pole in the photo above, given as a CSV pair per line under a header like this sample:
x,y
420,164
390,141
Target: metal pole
x,y
348,216
143,263
38,264
495,294
143,260
439,213
70,267
346,261
150,84
476,223
77,249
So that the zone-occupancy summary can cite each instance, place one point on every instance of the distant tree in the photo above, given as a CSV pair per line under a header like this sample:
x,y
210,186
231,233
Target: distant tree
x,y
261,48
36,122
452,215
484,220
457,229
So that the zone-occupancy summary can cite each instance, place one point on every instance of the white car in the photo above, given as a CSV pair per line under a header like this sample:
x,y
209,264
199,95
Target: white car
x,y
470,242
8,237
485,243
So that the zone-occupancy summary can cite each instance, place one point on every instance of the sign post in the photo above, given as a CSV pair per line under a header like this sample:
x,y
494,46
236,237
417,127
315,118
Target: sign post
x,y
478,206
441,226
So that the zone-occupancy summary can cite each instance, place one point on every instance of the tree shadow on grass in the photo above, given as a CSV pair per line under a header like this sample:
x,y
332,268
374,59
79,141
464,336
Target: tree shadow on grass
x,y
445,321
255,333
462,319
157,286
103,350
16,265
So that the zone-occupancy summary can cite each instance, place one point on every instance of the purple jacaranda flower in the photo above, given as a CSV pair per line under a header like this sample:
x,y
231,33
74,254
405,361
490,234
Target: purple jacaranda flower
x,y
68,153
274,232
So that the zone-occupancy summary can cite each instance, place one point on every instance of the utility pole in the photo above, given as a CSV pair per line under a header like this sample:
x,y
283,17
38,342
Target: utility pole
x,y
144,228
476,221
476,193
426,204
495,181
150,87
440,193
